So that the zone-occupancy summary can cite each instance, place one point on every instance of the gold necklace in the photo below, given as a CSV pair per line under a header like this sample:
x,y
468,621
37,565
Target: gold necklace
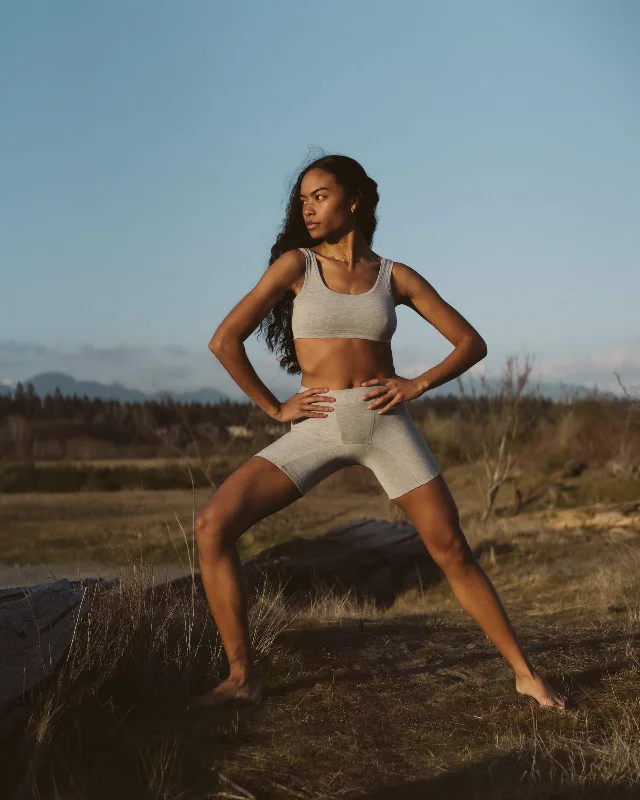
x,y
334,258
340,259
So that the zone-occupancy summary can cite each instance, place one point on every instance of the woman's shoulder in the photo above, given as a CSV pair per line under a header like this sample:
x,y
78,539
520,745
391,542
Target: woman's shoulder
x,y
288,269
403,271
295,255
405,280
290,258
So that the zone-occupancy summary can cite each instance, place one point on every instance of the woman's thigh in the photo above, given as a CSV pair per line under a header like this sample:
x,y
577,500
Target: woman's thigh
x,y
399,456
433,512
252,492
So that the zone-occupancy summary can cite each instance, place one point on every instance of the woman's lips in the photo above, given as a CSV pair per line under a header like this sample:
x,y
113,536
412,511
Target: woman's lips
x,y
312,224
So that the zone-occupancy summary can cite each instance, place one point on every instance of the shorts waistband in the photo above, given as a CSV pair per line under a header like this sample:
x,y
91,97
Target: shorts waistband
x,y
351,395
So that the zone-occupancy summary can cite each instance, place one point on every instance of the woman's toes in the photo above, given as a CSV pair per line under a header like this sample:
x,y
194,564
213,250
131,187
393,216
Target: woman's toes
x,y
556,701
540,690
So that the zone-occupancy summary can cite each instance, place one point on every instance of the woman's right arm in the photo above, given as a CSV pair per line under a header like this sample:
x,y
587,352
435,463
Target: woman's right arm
x,y
227,341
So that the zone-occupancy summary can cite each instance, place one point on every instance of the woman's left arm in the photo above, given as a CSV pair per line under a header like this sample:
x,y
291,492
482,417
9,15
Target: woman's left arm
x,y
470,347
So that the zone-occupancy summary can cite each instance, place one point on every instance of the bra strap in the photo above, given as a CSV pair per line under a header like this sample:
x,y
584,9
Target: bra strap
x,y
307,262
312,263
387,264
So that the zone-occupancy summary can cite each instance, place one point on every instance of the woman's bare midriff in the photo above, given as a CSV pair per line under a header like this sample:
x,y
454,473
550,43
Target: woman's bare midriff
x,y
342,363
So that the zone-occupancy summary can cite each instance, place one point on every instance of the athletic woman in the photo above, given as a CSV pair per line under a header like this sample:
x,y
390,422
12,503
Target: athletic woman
x,y
327,303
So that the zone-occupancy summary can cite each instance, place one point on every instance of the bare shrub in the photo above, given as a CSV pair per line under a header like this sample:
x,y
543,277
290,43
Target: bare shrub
x,y
501,423
626,460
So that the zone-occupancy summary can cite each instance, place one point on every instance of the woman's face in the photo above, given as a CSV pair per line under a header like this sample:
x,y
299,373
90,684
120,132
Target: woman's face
x,y
324,206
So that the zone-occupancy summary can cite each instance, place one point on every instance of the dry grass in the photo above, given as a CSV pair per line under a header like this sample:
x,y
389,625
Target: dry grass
x,y
407,702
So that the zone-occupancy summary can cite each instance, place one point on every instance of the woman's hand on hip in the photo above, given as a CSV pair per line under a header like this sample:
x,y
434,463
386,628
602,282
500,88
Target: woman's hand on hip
x,y
389,392
303,404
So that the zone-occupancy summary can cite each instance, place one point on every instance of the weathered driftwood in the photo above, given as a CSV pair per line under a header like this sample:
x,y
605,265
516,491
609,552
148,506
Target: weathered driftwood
x,y
373,559
36,628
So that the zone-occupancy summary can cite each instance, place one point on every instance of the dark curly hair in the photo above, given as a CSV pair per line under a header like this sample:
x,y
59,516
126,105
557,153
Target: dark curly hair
x,y
351,176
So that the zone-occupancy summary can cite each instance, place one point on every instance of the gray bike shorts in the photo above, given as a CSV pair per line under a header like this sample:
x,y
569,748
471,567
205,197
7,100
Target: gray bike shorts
x,y
390,444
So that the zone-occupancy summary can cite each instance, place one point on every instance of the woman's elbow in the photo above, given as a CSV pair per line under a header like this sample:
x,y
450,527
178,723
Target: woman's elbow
x,y
222,340
218,342
479,346
215,343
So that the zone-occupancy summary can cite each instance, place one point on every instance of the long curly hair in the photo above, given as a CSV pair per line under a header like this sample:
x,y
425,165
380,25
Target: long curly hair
x,y
276,325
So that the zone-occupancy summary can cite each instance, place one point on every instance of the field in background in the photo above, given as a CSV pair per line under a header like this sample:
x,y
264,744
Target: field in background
x,y
411,701
71,534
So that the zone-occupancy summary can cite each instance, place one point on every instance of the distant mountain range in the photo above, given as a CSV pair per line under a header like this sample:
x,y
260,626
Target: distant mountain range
x,y
554,391
46,382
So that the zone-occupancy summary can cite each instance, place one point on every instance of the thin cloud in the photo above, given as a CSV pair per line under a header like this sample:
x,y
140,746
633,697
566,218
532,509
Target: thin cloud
x,y
597,368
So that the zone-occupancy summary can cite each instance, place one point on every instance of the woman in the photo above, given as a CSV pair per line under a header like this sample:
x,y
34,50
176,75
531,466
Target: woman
x,y
327,303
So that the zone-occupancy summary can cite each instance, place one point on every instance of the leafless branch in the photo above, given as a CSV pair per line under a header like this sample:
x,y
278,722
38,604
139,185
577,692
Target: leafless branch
x,y
498,425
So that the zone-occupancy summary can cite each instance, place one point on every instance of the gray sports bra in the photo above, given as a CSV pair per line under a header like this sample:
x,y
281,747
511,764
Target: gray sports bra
x,y
319,312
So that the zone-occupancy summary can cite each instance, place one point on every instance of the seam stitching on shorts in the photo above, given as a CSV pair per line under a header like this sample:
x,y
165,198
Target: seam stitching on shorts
x,y
395,457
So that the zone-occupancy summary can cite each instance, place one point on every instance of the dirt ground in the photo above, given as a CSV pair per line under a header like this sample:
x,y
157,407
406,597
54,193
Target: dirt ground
x,y
417,702
412,701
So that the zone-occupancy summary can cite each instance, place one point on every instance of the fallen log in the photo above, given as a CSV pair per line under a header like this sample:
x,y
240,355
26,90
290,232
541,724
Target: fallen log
x,y
371,558
36,628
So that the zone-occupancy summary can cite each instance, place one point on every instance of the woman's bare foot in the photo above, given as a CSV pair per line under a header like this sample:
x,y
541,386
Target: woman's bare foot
x,y
242,688
538,688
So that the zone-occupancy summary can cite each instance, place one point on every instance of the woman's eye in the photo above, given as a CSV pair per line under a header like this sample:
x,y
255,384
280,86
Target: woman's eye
x,y
302,202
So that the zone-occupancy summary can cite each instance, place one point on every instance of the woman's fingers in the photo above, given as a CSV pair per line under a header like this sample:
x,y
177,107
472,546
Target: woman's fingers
x,y
318,396
375,393
380,400
387,408
318,399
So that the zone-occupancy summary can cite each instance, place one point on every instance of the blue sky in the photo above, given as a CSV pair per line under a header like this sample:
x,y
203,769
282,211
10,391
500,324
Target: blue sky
x,y
146,150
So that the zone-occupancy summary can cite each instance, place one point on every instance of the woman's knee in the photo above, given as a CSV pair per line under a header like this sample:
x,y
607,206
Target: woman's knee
x,y
213,533
452,552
